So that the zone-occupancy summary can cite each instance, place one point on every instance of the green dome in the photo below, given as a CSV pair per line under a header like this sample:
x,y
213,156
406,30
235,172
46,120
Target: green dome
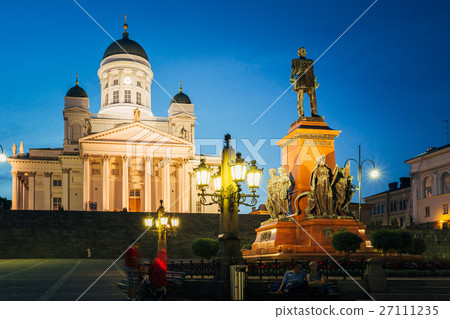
x,y
124,46
76,91
181,98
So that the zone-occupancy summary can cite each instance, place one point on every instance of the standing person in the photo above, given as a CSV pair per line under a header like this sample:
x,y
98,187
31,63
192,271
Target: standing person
x,y
294,281
317,281
131,267
157,274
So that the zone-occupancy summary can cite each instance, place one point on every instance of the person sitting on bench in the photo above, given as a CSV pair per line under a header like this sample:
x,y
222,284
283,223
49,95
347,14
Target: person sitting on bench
x,y
317,282
293,282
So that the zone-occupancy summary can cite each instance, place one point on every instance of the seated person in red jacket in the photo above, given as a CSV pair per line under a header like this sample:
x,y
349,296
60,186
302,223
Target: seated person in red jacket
x,y
157,274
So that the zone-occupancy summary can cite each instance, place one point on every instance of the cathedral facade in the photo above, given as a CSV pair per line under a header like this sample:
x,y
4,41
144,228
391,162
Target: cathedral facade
x,y
123,157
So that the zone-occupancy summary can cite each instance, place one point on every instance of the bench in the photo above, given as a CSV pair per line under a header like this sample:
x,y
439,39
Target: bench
x,y
175,282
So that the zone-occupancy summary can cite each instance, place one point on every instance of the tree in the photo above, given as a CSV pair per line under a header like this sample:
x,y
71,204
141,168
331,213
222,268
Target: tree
x,y
404,240
5,204
205,247
346,242
417,247
385,240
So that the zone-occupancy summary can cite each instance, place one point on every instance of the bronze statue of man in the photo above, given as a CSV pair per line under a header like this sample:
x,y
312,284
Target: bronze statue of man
x,y
302,76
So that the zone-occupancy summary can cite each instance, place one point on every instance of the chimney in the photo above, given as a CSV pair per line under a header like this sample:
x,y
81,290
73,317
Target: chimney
x,y
393,186
405,182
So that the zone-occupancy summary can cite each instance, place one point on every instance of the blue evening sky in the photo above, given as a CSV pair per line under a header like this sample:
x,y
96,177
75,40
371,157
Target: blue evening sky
x,y
384,84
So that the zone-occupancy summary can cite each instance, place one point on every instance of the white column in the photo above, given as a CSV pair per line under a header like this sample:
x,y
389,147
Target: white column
x,y
65,187
148,183
48,191
105,182
31,179
181,187
166,185
15,195
25,195
186,186
86,183
125,202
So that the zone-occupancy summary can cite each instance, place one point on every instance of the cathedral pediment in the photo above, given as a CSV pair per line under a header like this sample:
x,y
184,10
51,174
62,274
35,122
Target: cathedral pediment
x,y
136,133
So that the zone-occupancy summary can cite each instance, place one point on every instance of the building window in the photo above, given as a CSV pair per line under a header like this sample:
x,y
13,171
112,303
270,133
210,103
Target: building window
x,y
427,187
116,82
96,171
445,183
382,208
138,98
57,183
445,208
116,97
57,203
401,221
139,84
115,172
127,96
106,98
395,206
135,192
106,85
427,211
401,204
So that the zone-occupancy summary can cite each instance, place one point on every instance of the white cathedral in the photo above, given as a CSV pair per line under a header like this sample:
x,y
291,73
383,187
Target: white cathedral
x,y
121,158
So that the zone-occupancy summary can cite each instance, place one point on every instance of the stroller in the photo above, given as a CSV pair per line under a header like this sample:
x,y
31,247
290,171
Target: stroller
x,y
146,292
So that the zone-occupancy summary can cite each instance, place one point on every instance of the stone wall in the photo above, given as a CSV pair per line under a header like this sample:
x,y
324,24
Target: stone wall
x,y
54,234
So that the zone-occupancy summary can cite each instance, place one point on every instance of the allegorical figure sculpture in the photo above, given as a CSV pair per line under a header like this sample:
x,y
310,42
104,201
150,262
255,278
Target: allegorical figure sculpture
x,y
278,188
136,115
87,128
21,149
330,194
302,76
14,149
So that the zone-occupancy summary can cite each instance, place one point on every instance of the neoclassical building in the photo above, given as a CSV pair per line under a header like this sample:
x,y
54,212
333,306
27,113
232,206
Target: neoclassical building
x,y
121,157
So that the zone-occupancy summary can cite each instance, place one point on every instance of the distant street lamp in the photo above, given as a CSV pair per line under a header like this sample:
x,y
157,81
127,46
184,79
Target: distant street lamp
x,y
2,155
164,225
228,195
374,173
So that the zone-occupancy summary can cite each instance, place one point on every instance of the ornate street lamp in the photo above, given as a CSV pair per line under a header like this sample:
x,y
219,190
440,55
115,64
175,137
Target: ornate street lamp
x,y
228,195
2,155
164,225
374,173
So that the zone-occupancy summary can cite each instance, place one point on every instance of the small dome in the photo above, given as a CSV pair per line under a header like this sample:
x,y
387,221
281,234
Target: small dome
x,y
181,98
76,91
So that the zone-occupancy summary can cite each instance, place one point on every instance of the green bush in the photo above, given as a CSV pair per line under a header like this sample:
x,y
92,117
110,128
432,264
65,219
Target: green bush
x,y
205,247
385,240
347,242
247,246
417,247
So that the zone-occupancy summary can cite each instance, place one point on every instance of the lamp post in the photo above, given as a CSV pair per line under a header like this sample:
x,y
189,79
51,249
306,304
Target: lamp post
x,y
2,155
374,173
164,224
228,195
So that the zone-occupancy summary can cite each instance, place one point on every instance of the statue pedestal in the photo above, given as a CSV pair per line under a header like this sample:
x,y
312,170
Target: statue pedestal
x,y
286,240
307,139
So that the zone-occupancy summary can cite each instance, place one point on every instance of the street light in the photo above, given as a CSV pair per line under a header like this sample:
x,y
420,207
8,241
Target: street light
x,y
2,155
164,224
374,173
228,195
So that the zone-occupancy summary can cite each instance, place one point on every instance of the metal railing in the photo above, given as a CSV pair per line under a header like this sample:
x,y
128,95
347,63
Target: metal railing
x,y
195,269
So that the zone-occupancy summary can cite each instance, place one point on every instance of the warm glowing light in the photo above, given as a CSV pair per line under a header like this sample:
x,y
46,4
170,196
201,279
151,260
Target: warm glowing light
x,y
203,174
148,222
175,222
254,176
238,169
374,173
164,221
217,178
2,157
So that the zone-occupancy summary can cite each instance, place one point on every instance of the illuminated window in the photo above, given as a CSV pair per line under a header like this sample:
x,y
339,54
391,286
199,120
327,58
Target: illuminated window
x,y
445,208
127,96
427,187
57,183
116,97
57,203
138,98
427,211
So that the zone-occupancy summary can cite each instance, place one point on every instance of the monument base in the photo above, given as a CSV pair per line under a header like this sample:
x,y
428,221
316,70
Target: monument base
x,y
286,240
